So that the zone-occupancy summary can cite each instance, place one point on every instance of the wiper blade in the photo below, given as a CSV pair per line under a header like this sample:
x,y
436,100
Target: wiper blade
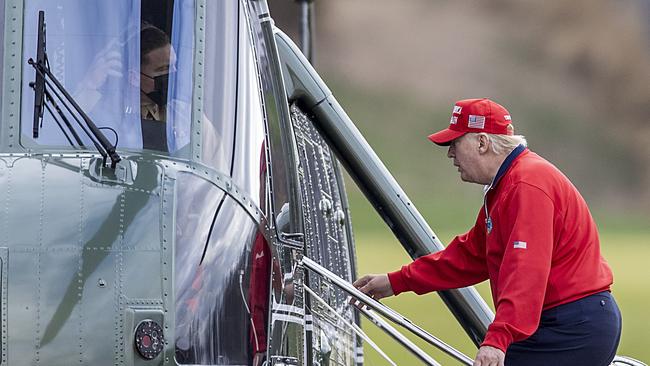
x,y
64,101
45,78
39,83
42,71
38,115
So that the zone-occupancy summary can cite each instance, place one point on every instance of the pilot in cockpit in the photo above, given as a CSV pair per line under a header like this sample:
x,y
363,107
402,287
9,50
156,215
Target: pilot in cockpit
x,y
157,60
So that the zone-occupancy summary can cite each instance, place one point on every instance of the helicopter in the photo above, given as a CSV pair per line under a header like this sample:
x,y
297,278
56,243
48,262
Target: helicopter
x,y
172,193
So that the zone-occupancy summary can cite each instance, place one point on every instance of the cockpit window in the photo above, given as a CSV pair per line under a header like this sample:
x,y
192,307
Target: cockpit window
x,y
128,64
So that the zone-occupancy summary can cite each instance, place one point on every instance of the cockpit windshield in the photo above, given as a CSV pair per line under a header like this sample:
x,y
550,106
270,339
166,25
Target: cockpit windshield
x,y
127,63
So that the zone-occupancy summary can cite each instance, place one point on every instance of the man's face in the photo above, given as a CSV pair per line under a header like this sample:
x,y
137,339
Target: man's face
x,y
464,151
157,62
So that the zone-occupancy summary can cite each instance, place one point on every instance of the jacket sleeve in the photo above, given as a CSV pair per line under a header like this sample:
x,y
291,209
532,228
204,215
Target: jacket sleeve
x,y
461,264
526,230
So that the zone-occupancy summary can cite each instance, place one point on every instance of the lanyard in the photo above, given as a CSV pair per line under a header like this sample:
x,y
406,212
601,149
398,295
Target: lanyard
x,y
502,170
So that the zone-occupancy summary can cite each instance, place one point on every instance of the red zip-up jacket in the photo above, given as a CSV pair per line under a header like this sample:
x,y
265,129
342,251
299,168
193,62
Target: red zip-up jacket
x,y
541,251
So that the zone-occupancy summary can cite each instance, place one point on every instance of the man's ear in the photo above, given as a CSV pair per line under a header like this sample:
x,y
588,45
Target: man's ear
x,y
483,143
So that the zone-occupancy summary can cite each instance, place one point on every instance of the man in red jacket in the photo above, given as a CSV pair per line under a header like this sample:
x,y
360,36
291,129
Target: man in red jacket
x,y
536,242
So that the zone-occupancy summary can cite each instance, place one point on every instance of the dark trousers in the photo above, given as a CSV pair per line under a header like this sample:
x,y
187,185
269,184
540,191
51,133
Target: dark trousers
x,y
583,332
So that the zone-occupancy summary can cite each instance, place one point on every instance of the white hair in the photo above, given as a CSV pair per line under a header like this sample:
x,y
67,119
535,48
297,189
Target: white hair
x,y
504,144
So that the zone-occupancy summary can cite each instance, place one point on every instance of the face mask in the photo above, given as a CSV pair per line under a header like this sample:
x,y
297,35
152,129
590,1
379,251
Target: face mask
x,y
159,94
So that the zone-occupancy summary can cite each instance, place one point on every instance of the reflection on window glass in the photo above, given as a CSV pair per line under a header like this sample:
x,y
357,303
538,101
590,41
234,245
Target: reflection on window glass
x,y
2,48
232,129
222,273
127,64
249,148
218,126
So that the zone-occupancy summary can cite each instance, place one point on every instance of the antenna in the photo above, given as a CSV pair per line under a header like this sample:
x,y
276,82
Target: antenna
x,y
307,28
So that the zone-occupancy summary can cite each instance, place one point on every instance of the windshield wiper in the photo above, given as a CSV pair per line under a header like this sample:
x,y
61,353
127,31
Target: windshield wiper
x,y
44,83
65,121
39,84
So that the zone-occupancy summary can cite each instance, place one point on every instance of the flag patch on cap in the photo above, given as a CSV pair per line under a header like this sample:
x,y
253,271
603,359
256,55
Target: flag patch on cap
x,y
520,245
476,121
457,109
453,120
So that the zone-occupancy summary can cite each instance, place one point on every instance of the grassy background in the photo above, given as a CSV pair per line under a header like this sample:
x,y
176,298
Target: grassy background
x,y
396,128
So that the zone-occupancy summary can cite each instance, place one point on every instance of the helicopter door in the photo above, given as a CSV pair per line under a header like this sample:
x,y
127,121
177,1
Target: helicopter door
x,y
328,241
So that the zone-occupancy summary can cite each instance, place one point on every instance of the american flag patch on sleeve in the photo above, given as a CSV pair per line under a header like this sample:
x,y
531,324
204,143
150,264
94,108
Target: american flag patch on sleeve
x,y
520,245
476,121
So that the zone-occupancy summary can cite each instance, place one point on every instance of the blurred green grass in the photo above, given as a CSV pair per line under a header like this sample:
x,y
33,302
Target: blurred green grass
x,y
396,127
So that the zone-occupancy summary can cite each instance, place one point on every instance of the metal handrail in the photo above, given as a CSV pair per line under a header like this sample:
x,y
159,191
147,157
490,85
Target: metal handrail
x,y
386,311
355,328
397,336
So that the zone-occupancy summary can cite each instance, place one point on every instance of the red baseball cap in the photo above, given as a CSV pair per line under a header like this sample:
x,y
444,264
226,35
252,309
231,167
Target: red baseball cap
x,y
475,115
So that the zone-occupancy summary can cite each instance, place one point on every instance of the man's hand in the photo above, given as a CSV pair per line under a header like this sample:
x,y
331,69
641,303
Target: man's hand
x,y
375,286
107,63
489,356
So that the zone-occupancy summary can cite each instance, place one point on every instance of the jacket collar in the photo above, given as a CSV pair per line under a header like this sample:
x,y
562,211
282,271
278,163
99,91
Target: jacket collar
x,y
506,164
